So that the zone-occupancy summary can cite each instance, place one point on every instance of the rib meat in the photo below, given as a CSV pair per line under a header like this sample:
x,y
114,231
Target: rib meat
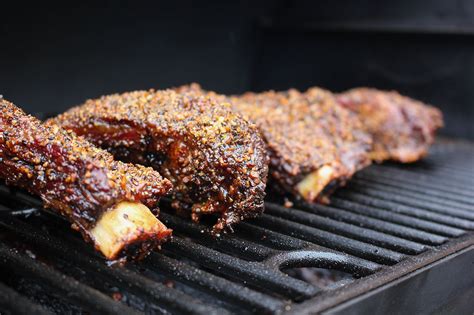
x,y
402,128
215,159
106,200
314,144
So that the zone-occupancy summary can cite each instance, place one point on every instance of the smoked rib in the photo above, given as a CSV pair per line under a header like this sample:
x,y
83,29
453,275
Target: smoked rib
x,y
314,144
402,128
215,159
106,200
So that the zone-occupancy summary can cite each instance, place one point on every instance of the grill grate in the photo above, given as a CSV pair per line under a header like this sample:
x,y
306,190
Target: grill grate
x,y
386,223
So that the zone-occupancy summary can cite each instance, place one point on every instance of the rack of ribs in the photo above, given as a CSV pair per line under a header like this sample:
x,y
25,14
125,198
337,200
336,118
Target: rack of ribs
x,y
402,128
108,201
314,144
215,159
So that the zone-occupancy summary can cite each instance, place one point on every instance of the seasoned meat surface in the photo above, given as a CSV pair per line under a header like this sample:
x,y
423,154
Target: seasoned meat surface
x,y
402,128
314,144
76,178
215,159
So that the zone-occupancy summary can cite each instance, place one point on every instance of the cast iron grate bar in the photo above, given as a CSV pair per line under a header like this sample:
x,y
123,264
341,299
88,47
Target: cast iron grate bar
x,y
458,171
77,292
452,166
66,246
402,209
428,226
428,183
270,238
12,300
404,174
333,241
415,188
453,206
439,164
253,273
438,169
345,229
451,210
457,177
384,226
234,293
231,244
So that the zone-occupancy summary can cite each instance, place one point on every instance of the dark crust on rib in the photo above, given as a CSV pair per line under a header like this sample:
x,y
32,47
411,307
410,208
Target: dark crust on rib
x,y
215,159
303,134
402,128
69,173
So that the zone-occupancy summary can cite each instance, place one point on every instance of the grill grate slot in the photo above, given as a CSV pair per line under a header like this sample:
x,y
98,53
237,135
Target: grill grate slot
x,y
459,212
231,244
270,238
414,199
402,209
418,189
427,182
90,263
252,273
345,229
10,299
71,289
333,241
439,168
452,169
384,224
234,293
427,170
402,219
376,224
458,178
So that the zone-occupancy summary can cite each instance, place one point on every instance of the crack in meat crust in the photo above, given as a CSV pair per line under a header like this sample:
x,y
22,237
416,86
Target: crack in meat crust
x,y
215,159
305,135
402,128
69,173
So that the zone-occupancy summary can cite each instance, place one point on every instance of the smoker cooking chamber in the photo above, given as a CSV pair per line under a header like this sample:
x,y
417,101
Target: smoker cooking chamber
x,y
389,226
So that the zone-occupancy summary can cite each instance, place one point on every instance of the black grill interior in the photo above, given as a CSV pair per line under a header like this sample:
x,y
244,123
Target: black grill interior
x,y
389,221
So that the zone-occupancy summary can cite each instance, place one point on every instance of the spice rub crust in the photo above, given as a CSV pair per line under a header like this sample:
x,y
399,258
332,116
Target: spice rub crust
x,y
314,144
215,159
73,176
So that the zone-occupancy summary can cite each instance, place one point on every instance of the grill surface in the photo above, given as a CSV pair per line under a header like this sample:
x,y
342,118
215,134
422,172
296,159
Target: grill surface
x,y
389,221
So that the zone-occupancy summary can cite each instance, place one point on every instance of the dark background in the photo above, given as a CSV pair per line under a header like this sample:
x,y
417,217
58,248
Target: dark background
x,y
56,56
